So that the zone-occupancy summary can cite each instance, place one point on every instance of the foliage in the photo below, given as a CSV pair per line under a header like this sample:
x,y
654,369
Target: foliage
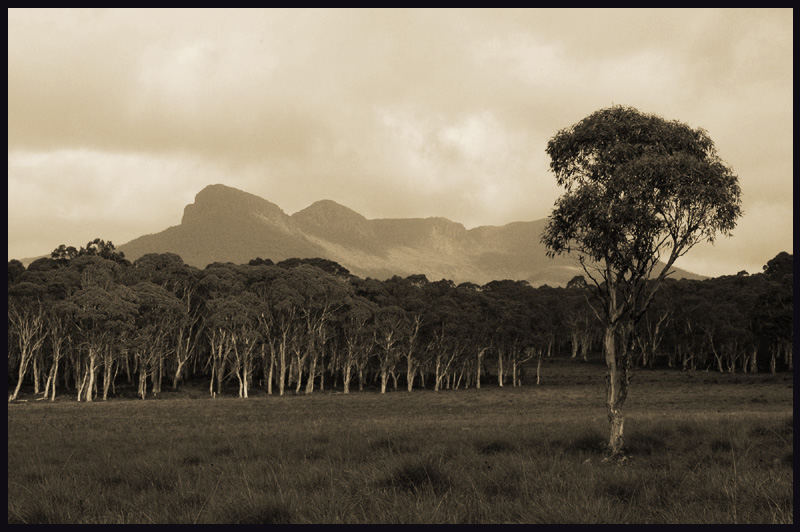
x,y
159,317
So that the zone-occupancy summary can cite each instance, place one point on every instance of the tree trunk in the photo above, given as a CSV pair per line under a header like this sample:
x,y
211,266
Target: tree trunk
x,y
241,384
55,377
81,384
143,383
312,369
500,368
246,377
410,373
36,374
616,385
211,381
271,370
220,376
177,376
384,380
585,344
108,367
160,373
346,378
574,345
90,385
282,371
299,375
772,360
539,369
514,371
23,366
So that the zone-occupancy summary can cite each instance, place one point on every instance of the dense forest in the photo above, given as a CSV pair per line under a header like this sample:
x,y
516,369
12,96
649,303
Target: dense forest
x,y
87,321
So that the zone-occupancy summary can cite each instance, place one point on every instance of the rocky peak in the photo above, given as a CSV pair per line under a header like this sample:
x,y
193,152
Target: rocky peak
x,y
220,201
326,212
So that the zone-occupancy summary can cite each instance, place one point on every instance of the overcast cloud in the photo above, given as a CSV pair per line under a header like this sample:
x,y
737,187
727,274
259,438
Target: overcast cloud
x,y
116,118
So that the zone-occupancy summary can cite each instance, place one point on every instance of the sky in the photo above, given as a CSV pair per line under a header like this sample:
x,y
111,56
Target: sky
x,y
117,118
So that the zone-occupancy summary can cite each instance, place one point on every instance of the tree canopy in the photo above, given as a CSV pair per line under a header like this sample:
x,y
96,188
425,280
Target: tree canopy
x,y
639,189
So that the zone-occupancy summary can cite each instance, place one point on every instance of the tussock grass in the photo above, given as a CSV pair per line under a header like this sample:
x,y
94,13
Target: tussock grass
x,y
698,454
497,446
416,475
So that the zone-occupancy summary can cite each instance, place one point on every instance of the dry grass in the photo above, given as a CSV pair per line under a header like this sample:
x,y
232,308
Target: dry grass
x,y
700,453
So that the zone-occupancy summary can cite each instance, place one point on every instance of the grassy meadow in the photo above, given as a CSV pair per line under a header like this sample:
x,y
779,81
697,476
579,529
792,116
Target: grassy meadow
x,y
703,447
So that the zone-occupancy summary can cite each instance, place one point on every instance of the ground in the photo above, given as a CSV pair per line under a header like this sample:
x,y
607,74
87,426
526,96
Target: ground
x,y
702,447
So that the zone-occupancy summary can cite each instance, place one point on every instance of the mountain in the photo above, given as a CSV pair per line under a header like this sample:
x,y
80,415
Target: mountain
x,y
226,224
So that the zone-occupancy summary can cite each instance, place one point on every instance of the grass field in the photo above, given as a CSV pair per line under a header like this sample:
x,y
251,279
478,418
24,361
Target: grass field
x,y
704,448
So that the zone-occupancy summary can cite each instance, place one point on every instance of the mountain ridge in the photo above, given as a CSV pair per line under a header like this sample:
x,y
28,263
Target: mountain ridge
x,y
225,224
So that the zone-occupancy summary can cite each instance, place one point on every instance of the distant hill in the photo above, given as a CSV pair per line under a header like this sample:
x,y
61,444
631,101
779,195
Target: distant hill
x,y
226,224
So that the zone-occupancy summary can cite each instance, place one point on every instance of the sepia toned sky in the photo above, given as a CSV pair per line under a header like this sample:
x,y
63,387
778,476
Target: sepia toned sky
x,y
117,118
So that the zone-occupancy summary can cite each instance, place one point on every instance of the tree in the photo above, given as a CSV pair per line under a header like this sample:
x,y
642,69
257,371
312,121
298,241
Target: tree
x,y
356,336
387,329
26,320
101,317
64,253
640,191
15,269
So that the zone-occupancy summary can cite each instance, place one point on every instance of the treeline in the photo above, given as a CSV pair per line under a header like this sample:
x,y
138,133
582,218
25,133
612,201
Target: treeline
x,y
87,320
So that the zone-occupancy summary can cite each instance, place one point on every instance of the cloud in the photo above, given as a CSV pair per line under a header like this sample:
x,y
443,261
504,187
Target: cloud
x,y
395,113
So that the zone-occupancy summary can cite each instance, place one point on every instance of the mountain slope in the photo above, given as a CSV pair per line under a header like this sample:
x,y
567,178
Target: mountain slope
x,y
225,224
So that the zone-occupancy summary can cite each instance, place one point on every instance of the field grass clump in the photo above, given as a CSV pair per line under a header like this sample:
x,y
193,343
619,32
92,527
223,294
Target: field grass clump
x,y
416,475
262,513
589,441
394,445
698,454
496,447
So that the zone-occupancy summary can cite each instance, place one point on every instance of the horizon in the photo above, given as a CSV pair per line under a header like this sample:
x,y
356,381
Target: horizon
x,y
393,113
27,260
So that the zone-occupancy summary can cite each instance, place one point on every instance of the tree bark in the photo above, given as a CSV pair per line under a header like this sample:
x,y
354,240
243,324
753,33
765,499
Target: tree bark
x,y
617,388
312,370
282,368
346,377
55,377
271,369
539,369
772,360
90,385
478,369
500,368
411,371
36,374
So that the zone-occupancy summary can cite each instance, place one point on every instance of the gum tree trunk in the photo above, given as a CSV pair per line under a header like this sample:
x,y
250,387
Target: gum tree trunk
x,y
91,370
411,371
312,370
500,368
346,377
282,369
539,369
616,391
478,368
384,380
